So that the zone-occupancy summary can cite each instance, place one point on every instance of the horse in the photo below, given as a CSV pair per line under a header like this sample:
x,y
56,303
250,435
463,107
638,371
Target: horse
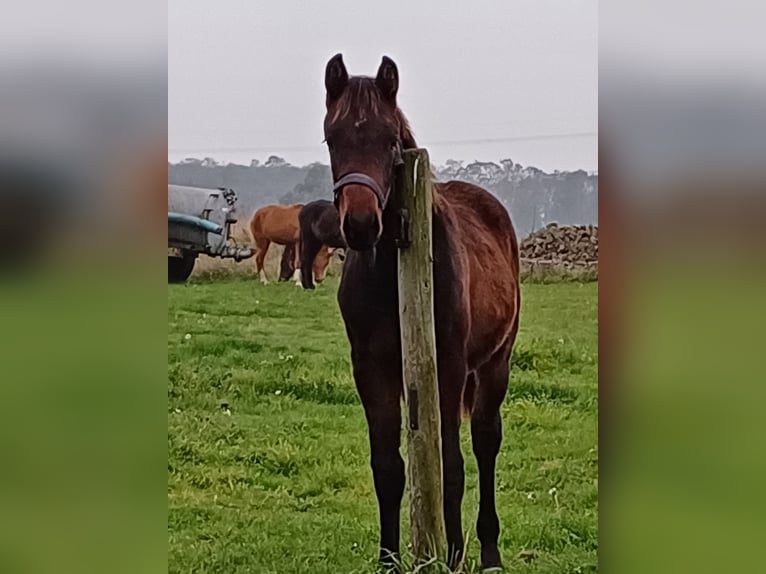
x,y
319,226
279,224
476,303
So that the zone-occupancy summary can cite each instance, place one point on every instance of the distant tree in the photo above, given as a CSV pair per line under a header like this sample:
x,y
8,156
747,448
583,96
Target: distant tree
x,y
316,185
450,170
275,161
568,202
482,172
254,163
507,165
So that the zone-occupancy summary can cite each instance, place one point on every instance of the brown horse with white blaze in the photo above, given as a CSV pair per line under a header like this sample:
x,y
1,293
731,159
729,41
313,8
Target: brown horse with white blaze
x,y
476,302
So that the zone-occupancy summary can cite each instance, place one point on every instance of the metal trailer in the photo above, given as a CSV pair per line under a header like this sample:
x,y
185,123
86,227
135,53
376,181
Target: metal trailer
x,y
200,221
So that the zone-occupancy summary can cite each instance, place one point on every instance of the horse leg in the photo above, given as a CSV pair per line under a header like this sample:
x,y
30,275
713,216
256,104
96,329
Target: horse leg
x,y
309,250
486,436
297,263
451,379
261,248
380,391
286,265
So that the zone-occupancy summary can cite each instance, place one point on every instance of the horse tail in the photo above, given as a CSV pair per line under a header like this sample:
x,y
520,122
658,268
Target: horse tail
x,y
469,393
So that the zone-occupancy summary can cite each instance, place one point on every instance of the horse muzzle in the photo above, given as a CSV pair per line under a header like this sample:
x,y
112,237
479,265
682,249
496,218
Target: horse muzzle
x,y
361,231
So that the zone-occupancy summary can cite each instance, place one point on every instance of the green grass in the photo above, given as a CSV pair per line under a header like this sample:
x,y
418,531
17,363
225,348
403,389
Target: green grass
x,y
283,483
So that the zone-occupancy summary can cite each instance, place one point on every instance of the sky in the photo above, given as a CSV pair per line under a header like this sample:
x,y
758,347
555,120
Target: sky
x,y
480,80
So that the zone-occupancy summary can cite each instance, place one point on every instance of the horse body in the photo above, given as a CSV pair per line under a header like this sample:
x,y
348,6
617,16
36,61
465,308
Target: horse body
x,y
476,303
279,224
320,236
487,251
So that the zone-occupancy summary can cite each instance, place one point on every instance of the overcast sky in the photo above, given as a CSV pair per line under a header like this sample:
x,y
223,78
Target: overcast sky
x,y
482,80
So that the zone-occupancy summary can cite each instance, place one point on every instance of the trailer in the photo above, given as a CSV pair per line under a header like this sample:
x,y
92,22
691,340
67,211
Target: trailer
x,y
200,220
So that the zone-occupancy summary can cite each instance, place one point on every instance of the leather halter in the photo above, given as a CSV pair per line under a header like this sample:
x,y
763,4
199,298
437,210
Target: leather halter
x,y
358,178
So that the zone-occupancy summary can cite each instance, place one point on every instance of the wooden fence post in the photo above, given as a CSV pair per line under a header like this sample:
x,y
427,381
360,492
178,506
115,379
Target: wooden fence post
x,y
416,303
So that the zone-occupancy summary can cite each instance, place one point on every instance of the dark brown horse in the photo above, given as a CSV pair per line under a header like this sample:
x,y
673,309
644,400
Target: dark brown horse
x,y
319,226
476,302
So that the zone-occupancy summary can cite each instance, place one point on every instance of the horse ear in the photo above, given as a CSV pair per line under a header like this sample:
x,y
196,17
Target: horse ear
x,y
335,77
387,80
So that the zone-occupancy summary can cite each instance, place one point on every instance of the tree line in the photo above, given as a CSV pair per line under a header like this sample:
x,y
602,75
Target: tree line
x,y
532,196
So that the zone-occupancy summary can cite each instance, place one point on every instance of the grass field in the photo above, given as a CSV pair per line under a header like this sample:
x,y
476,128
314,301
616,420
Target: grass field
x,y
280,483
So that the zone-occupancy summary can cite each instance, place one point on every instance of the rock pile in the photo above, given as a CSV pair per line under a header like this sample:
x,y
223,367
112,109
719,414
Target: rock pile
x,y
565,246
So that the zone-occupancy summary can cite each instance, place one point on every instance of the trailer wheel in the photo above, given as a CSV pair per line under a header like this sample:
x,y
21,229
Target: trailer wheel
x,y
179,268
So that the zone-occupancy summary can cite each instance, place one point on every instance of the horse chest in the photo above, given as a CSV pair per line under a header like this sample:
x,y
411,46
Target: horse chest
x,y
368,300
369,303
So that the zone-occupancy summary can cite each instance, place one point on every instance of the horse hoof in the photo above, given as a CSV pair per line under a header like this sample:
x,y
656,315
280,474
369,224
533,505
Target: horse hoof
x,y
490,560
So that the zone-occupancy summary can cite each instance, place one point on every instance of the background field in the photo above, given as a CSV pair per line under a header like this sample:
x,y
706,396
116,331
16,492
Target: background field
x,y
283,484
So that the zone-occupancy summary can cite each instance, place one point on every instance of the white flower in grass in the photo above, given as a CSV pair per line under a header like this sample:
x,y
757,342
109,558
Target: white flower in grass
x,y
554,492
187,336
278,392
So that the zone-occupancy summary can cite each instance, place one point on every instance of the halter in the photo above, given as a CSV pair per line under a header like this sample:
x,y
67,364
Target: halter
x,y
358,178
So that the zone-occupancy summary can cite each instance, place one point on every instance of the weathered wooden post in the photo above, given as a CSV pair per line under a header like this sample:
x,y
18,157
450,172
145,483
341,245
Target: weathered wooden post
x,y
416,303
